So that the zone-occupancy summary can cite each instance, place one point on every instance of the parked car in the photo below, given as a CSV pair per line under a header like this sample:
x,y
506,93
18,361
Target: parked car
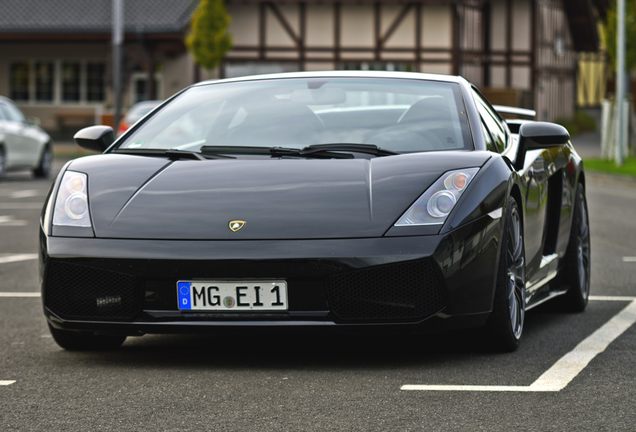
x,y
351,201
23,144
136,112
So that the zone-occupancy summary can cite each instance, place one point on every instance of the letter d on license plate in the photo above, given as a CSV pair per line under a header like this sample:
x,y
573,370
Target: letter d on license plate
x,y
232,295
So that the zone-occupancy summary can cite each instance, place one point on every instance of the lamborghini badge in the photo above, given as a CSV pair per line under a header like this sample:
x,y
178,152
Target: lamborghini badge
x,y
236,225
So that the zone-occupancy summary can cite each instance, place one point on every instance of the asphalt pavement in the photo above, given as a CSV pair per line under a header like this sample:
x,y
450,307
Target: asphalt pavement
x,y
326,383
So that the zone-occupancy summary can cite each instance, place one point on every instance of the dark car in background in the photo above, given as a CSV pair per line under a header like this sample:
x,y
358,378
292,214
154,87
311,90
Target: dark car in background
x,y
23,144
348,201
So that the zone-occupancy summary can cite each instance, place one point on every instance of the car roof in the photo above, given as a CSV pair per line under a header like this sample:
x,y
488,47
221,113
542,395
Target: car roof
x,y
148,102
342,74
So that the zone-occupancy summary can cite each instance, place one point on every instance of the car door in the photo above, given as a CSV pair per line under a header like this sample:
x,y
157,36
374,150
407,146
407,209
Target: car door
x,y
538,168
12,138
27,142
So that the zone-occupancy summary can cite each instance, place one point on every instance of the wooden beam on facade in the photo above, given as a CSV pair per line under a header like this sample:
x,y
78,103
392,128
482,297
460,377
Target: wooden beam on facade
x,y
396,23
508,43
283,21
337,19
262,30
456,38
377,20
302,19
418,37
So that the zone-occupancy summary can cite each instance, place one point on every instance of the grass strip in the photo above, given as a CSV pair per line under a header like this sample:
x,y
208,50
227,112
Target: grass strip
x,y
609,166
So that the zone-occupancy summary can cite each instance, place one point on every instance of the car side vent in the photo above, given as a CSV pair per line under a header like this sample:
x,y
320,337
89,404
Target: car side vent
x,y
407,291
80,292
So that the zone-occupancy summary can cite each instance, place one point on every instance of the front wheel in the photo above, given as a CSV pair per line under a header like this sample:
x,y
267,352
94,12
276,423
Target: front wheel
x,y
577,257
80,341
43,170
505,323
3,163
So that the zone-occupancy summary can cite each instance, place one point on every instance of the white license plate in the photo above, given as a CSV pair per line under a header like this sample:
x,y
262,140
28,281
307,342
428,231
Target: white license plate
x,y
232,295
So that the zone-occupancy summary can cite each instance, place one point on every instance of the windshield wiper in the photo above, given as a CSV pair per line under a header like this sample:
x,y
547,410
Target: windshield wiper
x,y
328,151
273,151
349,147
171,153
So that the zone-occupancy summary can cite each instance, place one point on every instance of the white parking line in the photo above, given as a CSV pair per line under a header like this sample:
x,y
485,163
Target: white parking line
x,y
20,206
10,221
6,382
612,298
19,294
567,367
629,259
18,257
24,194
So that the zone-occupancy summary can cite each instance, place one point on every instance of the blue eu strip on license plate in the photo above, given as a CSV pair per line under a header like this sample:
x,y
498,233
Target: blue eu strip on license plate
x,y
185,299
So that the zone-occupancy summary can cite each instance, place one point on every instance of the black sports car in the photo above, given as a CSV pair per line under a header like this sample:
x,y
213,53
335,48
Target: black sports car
x,y
342,200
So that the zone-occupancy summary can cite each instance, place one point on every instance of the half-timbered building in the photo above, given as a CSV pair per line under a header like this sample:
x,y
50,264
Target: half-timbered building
x,y
520,52
55,56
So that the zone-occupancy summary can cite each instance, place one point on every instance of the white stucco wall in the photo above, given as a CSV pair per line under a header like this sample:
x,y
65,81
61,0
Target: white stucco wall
x,y
358,26
437,26
244,26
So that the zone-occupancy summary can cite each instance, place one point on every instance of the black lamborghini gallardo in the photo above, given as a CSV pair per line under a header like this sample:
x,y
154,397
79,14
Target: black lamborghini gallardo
x,y
343,200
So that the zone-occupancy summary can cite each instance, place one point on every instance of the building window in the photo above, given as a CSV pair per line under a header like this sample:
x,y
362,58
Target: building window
x,y
57,81
139,87
44,81
19,81
95,83
379,66
71,82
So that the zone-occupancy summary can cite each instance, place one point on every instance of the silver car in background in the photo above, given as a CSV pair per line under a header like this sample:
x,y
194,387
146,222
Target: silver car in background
x,y
23,144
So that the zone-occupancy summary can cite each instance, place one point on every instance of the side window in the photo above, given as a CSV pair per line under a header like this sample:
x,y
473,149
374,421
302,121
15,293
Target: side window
x,y
490,144
14,114
491,121
3,114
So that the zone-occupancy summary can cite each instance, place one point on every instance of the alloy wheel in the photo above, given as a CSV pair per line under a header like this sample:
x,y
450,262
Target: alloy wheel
x,y
516,289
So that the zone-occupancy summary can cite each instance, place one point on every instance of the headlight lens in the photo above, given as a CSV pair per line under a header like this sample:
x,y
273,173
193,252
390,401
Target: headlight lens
x,y
438,201
71,204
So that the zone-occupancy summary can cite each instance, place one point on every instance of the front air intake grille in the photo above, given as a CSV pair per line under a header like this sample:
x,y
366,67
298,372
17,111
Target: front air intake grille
x,y
401,292
80,292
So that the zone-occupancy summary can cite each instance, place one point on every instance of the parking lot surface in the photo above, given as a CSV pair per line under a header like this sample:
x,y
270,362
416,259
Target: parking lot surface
x,y
571,372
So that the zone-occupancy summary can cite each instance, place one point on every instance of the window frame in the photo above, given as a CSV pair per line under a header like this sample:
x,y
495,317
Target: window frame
x,y
481,101
58,90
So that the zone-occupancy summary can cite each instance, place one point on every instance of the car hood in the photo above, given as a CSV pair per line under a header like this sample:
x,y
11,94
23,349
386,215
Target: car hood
x,y
154,198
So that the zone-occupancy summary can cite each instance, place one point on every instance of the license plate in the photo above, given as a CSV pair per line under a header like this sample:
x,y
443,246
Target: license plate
x,y
232,295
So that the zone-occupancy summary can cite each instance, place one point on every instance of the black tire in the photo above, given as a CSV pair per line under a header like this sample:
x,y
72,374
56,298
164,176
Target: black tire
x,y
80,341
3,163
43,170
576,273
505,324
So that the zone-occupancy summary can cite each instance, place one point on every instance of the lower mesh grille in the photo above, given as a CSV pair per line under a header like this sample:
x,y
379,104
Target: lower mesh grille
x,y
407,291
79,292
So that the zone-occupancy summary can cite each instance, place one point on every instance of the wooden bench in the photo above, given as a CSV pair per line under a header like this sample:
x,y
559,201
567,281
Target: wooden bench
x,y
74,119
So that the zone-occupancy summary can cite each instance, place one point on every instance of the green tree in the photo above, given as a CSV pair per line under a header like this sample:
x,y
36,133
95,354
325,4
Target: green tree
x,y
208,39
611,30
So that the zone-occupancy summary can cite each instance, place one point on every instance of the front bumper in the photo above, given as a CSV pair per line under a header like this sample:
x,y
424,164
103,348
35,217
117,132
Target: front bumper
x,y
418,283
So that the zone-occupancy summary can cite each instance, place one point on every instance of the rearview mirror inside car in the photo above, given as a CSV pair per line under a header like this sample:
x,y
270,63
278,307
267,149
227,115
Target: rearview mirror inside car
x,y
319,96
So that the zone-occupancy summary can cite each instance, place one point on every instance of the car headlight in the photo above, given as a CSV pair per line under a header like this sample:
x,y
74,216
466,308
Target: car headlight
x,y
434,206
71,204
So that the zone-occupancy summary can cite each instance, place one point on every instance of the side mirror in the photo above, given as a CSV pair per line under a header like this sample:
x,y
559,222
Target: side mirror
x,y
96,138
539,135
33,121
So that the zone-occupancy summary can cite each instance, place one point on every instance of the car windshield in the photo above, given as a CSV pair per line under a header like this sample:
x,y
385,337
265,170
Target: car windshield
x,y
141,109
399,115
